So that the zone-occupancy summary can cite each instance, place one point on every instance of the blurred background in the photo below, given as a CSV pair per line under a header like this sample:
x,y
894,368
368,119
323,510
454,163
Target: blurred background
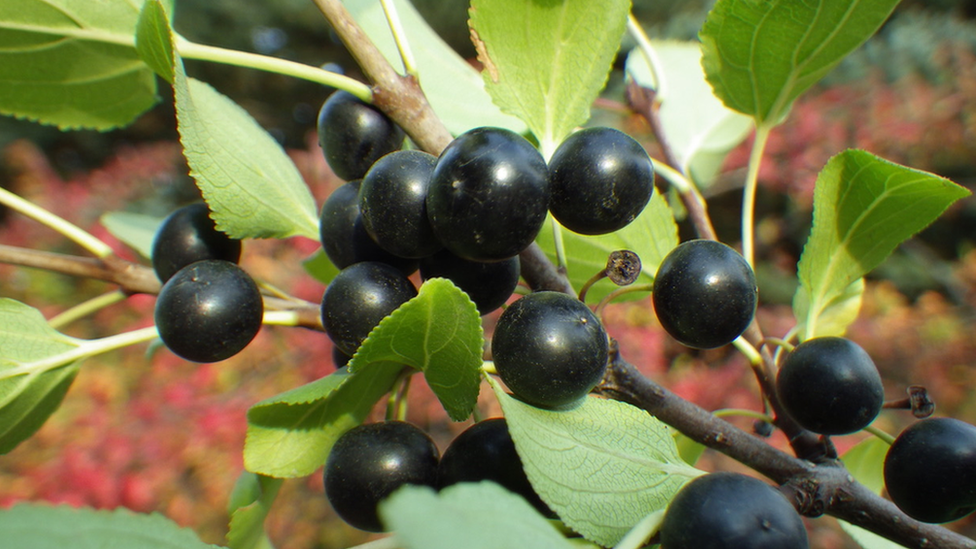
x,y
145,430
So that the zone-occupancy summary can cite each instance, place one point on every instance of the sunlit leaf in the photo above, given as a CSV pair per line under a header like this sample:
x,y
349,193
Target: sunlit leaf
x,y
250,503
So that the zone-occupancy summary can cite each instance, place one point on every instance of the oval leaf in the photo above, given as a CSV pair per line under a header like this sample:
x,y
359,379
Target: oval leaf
x,y
546,62
602,465
136,230
27,401
290,435
424,519
439,333
73,64
651,236
863,207
27,526
760,56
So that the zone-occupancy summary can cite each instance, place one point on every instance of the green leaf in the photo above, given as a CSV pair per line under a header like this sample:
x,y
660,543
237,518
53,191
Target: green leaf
x,y
154,43
135,230
73,63
760,56
546,61
320,267
863,207
700,129
473,512
651,236
251,186
865,462
39,526
439,333
602,465
290,435
27,401
250,503
443,74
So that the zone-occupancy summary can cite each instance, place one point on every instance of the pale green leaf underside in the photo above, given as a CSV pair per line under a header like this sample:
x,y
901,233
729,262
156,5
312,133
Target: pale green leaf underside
x,y
256,496
760,56
443,74
27,401
864,207
601,465
545,61
484,515
290,435
651,236
438,332
136,230
700,129
153,41
72,63
253,189
30,526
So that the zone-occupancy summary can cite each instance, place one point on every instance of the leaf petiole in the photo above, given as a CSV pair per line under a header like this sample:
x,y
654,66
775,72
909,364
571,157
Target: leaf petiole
x,y
400,37
749,192
78,235
84,350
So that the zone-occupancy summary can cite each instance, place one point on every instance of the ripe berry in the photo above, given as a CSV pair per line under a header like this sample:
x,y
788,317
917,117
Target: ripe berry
x,y
208,311
354,134
489,285
830,385
549,349
369,462
930,470
731,511
485,451
187,235
358,298
705,294
393,204
488,194
344,238
600,179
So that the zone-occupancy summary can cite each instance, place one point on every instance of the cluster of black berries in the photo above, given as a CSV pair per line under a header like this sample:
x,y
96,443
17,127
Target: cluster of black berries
x,y
209,309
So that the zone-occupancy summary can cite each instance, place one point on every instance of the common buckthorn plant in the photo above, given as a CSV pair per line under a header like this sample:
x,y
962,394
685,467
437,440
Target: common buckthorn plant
x,y
560,174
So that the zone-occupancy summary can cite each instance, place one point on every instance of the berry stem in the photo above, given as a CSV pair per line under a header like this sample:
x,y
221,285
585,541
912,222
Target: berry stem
x,y
746,348
192,50
84,350
86,308
400,37
78,235
880,434
749,193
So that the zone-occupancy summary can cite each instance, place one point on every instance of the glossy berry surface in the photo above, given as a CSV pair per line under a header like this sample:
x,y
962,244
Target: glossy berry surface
x,y
208,311
188,235
344,237
358,298
600,179
488,195
830,385
354,134
369,462
731,511
393,204
930,470
489,285
549,349
705,294
485,451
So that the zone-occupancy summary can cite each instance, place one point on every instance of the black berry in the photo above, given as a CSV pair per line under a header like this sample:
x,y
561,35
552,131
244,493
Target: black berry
x,y
188,235
393,203
358,298
549,349
485,451
830,385
369,462
930,470
489,285
354,134
731,511
208,311
488,194
600,179
705,294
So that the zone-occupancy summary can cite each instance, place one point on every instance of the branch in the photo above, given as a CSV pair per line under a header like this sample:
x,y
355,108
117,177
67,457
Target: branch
x,y
133,278
820,488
